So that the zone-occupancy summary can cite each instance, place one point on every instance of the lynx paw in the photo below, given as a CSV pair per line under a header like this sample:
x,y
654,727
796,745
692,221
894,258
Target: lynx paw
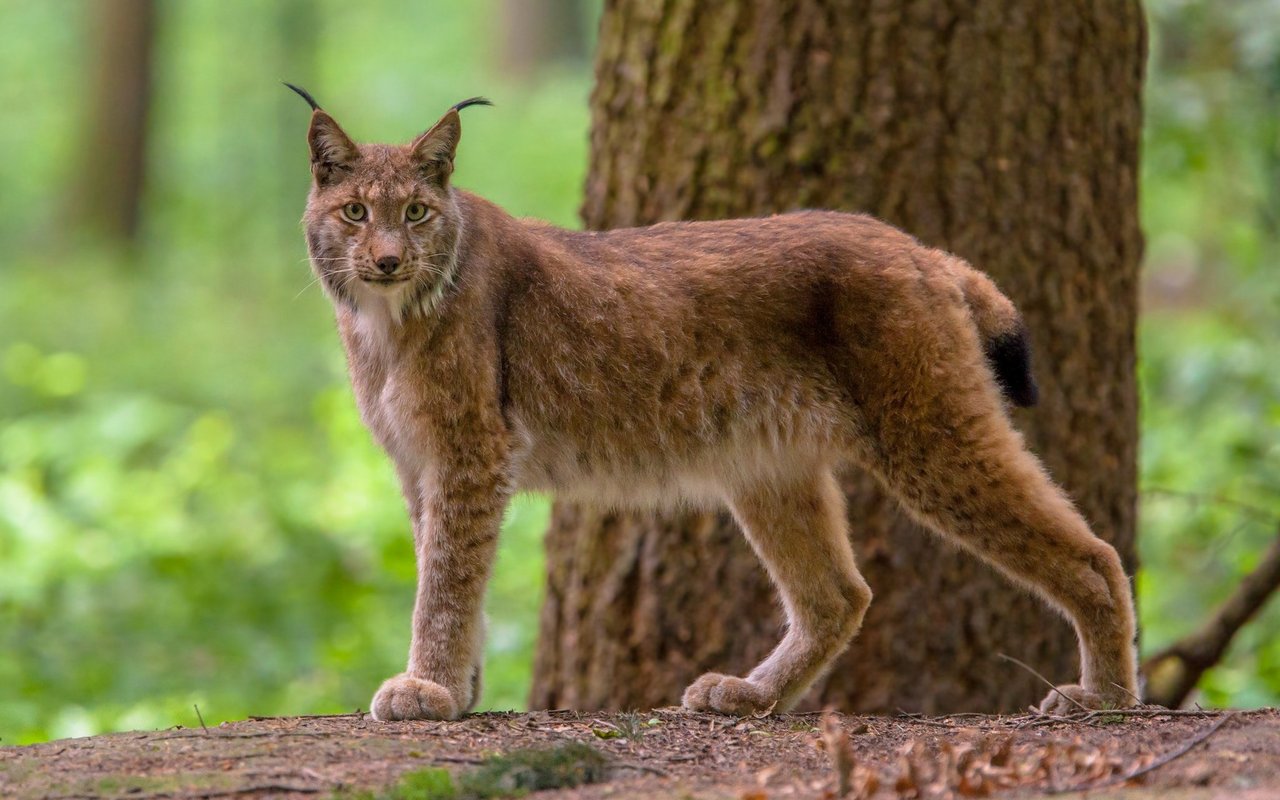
x,y
1058,704
406,697
727,695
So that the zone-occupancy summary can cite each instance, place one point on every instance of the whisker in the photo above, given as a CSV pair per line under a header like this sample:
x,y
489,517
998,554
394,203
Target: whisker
x,y
313,282
348,270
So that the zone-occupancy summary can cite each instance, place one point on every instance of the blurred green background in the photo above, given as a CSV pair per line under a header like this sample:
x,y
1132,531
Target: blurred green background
x,y
190,510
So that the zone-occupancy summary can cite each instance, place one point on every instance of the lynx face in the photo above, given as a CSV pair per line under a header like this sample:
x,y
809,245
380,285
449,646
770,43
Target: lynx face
x,y
382,222
382,231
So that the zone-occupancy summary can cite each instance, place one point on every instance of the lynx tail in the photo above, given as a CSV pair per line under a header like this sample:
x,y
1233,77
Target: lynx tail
x,y
1004,337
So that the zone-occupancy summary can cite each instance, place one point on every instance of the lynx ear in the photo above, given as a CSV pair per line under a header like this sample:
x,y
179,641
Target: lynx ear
x,y
332,151
435,149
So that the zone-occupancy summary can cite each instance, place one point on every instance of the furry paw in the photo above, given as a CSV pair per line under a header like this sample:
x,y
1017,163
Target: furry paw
x,y
406,697
1069,699
728,695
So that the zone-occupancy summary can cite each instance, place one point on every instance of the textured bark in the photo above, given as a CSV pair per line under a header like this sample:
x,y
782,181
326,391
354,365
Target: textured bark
x,y
110,195
1006,132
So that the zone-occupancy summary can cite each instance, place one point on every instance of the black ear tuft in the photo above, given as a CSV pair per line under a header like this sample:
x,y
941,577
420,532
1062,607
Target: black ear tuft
x,y
472,101
311,101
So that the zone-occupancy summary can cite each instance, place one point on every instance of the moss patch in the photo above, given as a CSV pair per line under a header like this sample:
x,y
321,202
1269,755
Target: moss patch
x,y
512,775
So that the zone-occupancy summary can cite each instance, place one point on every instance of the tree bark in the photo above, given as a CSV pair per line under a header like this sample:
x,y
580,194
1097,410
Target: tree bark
x,y
111,179
1006,132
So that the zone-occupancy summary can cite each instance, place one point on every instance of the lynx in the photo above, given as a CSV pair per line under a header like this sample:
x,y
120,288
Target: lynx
x,y
734,363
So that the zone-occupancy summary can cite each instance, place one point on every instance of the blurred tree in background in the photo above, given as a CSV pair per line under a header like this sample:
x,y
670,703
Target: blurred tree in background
x,y
109,197
190,511
537,34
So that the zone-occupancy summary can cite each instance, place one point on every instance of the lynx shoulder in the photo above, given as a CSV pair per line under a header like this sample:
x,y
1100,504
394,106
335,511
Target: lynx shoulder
x,y
734,363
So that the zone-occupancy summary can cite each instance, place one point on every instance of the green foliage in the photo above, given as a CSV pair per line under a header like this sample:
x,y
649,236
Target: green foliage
x,y
514,774
522,771
629,725
433,783
1210,335
190,510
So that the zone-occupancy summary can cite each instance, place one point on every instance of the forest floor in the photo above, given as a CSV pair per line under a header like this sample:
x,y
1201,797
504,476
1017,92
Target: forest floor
x,y
669,753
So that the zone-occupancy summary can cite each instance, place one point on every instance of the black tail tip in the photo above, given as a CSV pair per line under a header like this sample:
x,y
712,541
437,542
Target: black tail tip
x,y
1010,357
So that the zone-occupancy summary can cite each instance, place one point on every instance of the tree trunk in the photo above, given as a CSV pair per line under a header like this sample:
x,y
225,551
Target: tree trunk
x,y
298,25
1006,132
111,179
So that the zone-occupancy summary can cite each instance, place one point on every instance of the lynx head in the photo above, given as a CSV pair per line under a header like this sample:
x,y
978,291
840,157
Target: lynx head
x,y
382,222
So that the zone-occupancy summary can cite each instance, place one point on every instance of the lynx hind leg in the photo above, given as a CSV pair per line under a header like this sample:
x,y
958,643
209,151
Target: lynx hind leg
x,y
797,528
958,464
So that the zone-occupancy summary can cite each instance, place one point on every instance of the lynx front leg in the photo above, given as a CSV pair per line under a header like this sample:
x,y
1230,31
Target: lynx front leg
x,y
798,530
455,536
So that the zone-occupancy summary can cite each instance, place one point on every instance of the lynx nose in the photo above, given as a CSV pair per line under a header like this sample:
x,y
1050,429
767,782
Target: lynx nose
x,y
388,264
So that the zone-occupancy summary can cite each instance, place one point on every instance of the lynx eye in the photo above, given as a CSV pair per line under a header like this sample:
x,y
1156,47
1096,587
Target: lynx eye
x,y
415,212
355,212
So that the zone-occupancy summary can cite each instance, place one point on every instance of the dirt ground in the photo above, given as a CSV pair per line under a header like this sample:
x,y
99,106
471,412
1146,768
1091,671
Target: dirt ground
x,y
670,753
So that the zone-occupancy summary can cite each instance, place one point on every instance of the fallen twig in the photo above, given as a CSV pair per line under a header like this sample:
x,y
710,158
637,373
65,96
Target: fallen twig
x,y
357,714
1135,697
1036,719
256,788
1047,682
1182,750
957,715
1042,720
257,735
199,795
938,723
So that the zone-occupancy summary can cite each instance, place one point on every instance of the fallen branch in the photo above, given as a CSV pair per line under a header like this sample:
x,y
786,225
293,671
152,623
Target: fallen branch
x,y
1046,681
1037,720
1182,750
291,717
1174,672
255,735
257,788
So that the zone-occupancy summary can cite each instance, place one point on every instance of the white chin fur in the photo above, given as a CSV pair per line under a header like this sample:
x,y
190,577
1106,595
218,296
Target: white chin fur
x,y
385,304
